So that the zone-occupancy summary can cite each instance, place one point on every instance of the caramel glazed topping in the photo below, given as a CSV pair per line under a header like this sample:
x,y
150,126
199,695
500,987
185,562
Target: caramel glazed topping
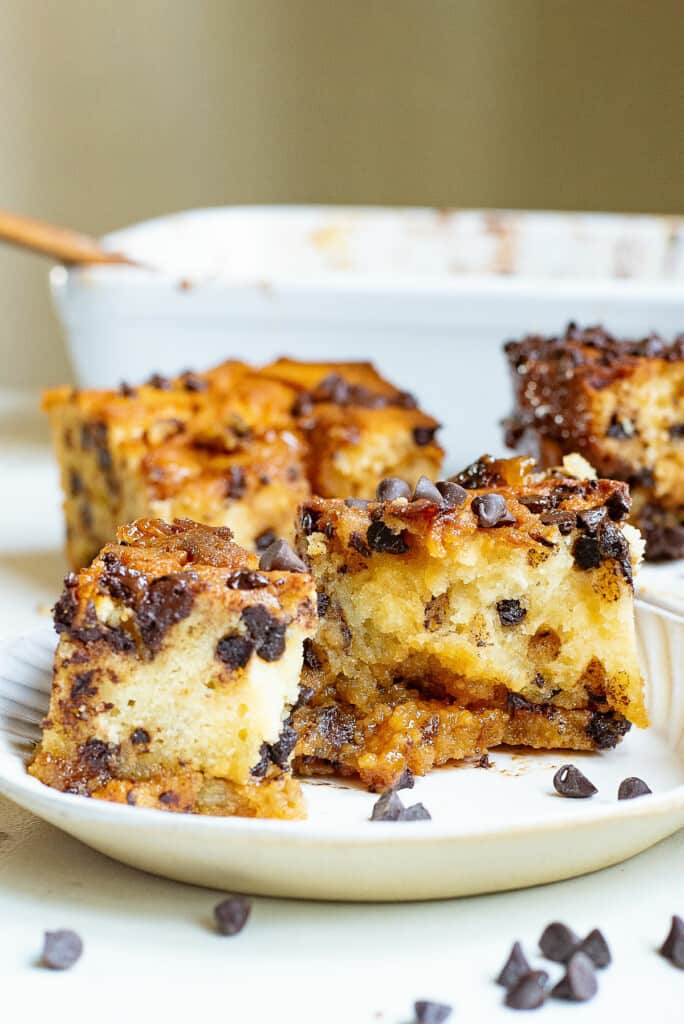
x,y
590,506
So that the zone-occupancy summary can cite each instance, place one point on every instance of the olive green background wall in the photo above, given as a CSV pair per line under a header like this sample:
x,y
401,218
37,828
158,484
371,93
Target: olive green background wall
x,y
116,110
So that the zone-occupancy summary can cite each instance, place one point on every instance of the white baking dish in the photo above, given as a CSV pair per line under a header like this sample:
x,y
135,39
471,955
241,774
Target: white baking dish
x,y
428,295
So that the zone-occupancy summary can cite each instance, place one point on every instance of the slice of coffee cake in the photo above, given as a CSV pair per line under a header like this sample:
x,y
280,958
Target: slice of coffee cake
x,y
236,446
177,667
621,405
493,608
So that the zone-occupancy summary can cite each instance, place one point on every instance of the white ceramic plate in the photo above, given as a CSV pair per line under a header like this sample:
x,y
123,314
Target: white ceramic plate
x,y
495,829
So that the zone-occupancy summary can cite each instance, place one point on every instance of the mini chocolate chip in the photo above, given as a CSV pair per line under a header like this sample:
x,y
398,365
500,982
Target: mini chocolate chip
x,y
590,518
191,382
264,540
234,650
284,745
596,948
491,510
424,435
96,754
537,503
391,488
587,552
61,950
236,483
140,736
565,521
357,542
261,767
246,579
75,483
388,807
511,612
673,947
428,1012
280,557
159,382
618,506
529,992
81,686
454,495
579,984
632,787
311,659
126,391
323,603
415,812
569,781
309,520
265,631
231,914
382,539
606,729
558,942
169,798
425,490
676,431
515,968
356,503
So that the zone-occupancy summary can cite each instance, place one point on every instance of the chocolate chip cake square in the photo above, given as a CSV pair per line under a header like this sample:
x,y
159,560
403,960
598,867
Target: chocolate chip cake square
x,y
496,607
618,403
176,672
236,446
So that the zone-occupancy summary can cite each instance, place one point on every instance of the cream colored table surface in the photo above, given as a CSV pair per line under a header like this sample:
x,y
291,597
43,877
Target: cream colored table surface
x,y
149,946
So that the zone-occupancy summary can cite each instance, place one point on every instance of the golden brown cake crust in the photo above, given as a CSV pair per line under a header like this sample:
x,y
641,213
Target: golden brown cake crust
x,y
620,404
235,446
444,625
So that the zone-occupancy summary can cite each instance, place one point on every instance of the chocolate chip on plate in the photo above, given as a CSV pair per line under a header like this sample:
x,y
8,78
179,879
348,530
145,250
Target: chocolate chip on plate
x,y
390,807
632,787
387,807
415,812
596,948
579,983
425,490
515,968
673,947
231,914
491,510
280,557
61,950
454,495
391,488
511,612
529,992
558,942
569,781
428,1012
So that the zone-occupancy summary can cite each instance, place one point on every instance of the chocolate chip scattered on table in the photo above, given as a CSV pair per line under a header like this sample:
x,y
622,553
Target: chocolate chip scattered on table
x,y
231,914
61,949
